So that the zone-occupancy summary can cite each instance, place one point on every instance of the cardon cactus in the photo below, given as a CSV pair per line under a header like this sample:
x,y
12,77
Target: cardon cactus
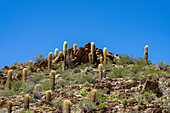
x,y
101,59
56,52
24,74
52,79
93,94
38,70
74,49
105,55
90,58
149,76
64,53
26,102
9,106
9,79
100,71
49,61
66,108
48,95
146,54
92,51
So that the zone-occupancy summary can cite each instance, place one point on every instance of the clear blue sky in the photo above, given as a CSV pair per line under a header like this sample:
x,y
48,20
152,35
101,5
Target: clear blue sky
x,y
123,26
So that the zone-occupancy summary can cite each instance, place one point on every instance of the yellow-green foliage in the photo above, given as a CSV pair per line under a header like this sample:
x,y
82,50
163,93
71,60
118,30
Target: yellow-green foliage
x,y
105,55
100,71
92,51
26,102
93,94
56,52
90,58
52,79
9,79
146,53
64,54
9,106
66,108
48,95
49,61
74,48
24,74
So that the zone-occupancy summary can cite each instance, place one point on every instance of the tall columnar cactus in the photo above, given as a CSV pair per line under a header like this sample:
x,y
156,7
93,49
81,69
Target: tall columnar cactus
x,y
93,94
26,102
56,52
90,58
101,59
66,108
52,79
100,71
24,74
48,95
74,49
105,55
9,106
64,53
92,51
9,79
38,70
146,54
49,61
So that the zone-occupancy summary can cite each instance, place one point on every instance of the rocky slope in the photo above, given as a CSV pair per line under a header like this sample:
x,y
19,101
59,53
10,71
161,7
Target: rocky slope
x,y
128,85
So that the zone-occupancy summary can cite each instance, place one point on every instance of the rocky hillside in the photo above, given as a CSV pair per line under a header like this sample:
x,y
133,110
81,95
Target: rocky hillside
x,y
85,80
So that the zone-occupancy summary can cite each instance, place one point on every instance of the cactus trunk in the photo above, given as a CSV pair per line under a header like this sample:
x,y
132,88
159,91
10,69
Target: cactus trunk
x,y
9,106
100,71
64,54
93,94
48,95
49,61
146,54
24,74
26,102
52,79
9,79
66,108
105,55
92,51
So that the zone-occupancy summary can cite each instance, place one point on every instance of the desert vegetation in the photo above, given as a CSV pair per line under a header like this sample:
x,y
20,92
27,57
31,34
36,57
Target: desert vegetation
x,y
85,80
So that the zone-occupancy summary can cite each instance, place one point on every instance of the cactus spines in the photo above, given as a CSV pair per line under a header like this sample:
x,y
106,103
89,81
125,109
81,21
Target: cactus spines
x,y
74,49
146,54
48,95
38,70
24,74
56,52
26,102
66,108
9,79
105,55
100,71
90,58
93,94
49,61
92,51
52,79
9,106
64,54
101,59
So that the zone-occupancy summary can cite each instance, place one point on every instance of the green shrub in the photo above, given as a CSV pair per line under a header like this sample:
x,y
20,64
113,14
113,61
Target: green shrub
x,y
102,106
57,87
